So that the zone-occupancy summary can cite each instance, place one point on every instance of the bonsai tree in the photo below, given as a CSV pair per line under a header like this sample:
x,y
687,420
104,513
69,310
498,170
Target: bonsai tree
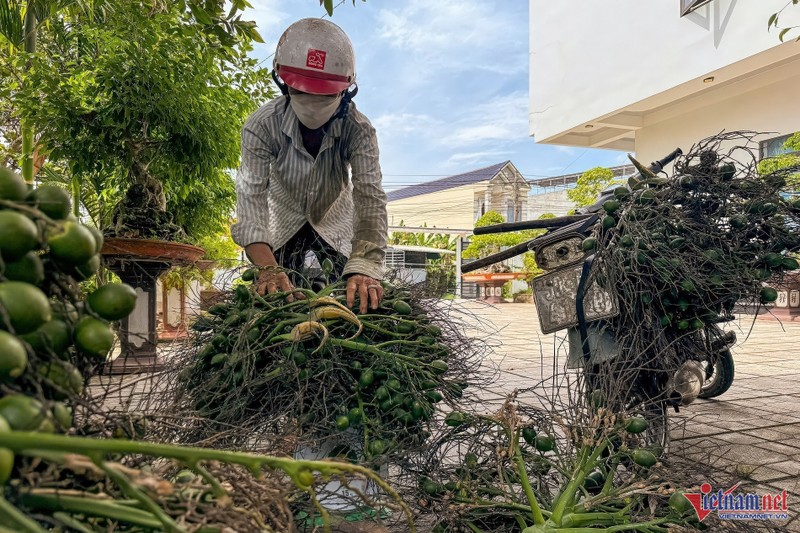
x,y
145,110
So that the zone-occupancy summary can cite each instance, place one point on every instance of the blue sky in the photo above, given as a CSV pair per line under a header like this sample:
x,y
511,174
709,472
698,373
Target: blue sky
x,y
444,82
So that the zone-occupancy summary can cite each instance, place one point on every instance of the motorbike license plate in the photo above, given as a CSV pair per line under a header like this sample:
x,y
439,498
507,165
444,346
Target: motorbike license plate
x,y
555,294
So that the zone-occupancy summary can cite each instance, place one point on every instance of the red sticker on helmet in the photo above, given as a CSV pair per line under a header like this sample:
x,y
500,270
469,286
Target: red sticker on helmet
x,y
315,59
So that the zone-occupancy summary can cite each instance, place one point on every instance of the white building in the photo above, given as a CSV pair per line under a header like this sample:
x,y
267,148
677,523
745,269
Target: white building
x,y
651,76
549,195
458,201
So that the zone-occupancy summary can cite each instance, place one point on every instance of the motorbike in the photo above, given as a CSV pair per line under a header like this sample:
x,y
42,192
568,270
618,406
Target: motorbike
x,y
568,298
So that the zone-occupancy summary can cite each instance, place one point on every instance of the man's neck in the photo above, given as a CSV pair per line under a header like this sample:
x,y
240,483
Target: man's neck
x,y
312,139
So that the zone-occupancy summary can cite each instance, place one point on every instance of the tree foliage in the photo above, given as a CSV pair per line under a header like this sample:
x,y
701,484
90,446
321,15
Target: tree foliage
x,y
483,245
147,92
774,22
329,7
442,241
589,185
788,160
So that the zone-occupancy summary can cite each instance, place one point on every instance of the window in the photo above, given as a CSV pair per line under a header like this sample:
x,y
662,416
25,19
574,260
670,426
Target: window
x,y
773,147
511,211
395,258
480,207
687,6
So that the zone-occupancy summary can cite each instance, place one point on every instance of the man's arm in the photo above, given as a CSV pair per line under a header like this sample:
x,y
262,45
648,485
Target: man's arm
x,y
369,220
252,210
252,187
365,265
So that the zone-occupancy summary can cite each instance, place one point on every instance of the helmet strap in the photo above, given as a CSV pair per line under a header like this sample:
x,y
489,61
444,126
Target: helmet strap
x,y
344,106
280,83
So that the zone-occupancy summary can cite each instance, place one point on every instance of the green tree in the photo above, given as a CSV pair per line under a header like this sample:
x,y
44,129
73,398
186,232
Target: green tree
x,y
429,239
483,245
773,164
20,22
589,185
140,104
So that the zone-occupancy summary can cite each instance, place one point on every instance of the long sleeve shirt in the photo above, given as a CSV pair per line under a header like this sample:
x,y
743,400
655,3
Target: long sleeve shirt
x,y
280,186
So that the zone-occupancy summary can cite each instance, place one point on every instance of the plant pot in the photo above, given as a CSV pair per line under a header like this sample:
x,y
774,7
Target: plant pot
x,y
139,263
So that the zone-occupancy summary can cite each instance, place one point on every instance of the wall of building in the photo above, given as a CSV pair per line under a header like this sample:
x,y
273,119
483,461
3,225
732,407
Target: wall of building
x,y
452,209
589,59
774,108
554,201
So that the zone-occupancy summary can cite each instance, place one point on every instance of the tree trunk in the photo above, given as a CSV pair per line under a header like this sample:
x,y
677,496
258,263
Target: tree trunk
x,y
142,213
27,129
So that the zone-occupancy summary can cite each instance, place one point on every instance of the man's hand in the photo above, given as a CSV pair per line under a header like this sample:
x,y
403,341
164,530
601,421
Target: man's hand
x,y
367,289
272,280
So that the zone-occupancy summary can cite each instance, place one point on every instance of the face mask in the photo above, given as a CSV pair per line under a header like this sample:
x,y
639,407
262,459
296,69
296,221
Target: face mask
x,y
314,110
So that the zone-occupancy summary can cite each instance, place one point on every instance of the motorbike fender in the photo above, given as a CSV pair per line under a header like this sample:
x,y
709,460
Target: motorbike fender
x,y
602,346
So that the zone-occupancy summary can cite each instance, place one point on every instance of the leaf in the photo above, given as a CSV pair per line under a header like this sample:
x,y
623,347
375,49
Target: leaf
x,y
773,19
329,7
200,14
11,22
783,32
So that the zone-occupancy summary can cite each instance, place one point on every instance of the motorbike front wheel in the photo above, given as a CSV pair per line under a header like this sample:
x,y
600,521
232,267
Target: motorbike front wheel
x,y
720,377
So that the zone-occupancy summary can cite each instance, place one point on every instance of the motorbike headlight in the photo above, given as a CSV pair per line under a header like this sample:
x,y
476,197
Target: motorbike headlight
x,y
560,253
688,381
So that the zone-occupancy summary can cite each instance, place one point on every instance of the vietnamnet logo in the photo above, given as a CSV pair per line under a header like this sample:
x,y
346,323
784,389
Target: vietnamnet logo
x,y
730,506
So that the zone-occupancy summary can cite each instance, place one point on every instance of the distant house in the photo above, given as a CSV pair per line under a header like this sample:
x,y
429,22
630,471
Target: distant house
x,y
549,195
456,202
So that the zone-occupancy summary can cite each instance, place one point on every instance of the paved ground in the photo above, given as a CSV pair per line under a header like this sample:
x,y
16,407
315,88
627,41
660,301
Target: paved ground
x,y
752,431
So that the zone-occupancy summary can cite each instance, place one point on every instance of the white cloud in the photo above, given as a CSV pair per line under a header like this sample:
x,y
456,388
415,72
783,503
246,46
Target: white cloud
x,y
390,123
503,118
461,159
270,21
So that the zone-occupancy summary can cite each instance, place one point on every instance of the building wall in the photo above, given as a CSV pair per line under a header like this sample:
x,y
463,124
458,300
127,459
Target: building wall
x,y
774,108
589,59
456,208
553,201
549,195
450,209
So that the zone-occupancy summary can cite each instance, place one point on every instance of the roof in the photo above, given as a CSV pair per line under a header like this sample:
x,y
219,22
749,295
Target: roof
x,y
451,182
619,171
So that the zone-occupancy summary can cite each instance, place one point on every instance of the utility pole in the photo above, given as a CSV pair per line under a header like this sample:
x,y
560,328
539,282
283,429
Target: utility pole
x,y
459,250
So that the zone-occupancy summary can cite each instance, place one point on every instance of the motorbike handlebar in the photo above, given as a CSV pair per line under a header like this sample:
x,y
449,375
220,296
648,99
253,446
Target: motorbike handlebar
x,y
548,224
514,251
659,165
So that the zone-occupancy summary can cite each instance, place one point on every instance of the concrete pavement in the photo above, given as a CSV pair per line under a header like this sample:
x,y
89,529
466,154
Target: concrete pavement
x,y
752,431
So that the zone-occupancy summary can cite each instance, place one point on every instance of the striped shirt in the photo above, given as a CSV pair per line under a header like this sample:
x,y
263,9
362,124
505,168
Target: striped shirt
x,y
280,186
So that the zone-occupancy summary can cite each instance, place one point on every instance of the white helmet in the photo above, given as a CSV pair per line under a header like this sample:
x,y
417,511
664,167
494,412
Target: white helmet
x,y
315,56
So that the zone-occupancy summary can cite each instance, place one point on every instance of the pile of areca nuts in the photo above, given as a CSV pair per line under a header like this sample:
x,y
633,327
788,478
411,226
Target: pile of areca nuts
x,y
314,368
51,337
